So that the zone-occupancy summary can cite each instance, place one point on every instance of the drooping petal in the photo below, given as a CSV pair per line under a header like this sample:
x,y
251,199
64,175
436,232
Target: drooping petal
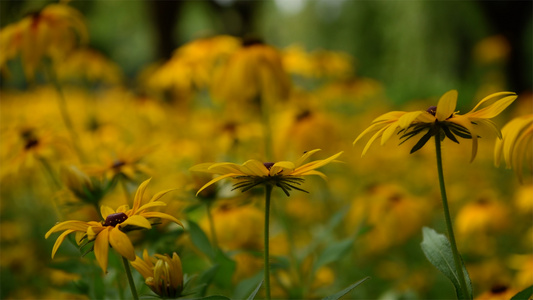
x,y
70,225
106,211
388,117
121,243
217,179
489,126
315,172
137,220
389,132
156,214
60,240
139,195
372,139
446,105
408,118
101,248
255,168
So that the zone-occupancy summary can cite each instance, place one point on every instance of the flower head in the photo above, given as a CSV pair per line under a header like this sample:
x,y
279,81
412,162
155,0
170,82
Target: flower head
x,y
161,273
110,231
284,174
441,121
516,145
50,32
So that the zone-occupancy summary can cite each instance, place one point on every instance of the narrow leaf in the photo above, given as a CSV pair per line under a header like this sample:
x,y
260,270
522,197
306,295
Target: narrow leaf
x,y
333,252
423,140
438,251
252,295
338,295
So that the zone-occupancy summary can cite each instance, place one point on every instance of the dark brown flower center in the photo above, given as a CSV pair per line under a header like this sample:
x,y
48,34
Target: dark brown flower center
x,y
268,165
118,164
498,289
250,41
432,110
31,143
114,219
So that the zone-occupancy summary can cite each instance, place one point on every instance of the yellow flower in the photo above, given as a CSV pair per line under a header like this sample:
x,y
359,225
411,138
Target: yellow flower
x,y
161,273
255,70
50,32
284,174
440,121
111,230
516,145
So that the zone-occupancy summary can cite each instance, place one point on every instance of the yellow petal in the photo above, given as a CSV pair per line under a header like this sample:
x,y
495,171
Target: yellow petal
x,y
106,211
142,267
492,110
408,118
60,240
139,195
372,139
121,243
160,194
315,172
215,180
101,248
446,105
255,168
150,205
387,134
70,225
489,97
281,167
156,214
315,165
305,156
137,220
225,168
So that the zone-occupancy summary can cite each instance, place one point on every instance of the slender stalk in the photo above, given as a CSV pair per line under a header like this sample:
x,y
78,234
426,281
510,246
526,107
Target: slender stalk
x,y
130,278
212,226
268,192
62,103
449,226
57,184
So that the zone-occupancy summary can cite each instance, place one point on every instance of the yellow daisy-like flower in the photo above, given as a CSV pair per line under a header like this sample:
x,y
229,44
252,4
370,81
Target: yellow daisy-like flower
x,y
284,174
161,273
516,145
111,230
441,121
50,32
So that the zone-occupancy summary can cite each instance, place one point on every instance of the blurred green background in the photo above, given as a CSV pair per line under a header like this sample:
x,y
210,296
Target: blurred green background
x,y
429,43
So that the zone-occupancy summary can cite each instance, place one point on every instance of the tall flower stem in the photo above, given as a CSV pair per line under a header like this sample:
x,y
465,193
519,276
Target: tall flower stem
x,y
268,192
64,112
130,278
449,225
212,226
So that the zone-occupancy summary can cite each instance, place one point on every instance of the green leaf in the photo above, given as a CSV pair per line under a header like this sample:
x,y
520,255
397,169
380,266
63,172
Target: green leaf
x,y
338,295
200,240
525,294
225,271
252,295
438,251
205,279
246,286
333,252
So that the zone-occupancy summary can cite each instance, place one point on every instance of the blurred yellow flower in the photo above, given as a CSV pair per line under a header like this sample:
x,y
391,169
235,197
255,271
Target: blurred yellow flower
x,y
51,32
319,63
284,174
89,64
441,120
111,230
161,273
492,49
516,145
254,70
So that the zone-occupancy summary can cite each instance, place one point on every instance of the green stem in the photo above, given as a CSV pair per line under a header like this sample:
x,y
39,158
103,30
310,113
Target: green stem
x,y
449,226
268,192
130,278
212,226
64,112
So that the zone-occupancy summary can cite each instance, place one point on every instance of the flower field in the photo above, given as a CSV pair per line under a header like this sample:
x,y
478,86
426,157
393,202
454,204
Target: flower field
x,y
240,168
